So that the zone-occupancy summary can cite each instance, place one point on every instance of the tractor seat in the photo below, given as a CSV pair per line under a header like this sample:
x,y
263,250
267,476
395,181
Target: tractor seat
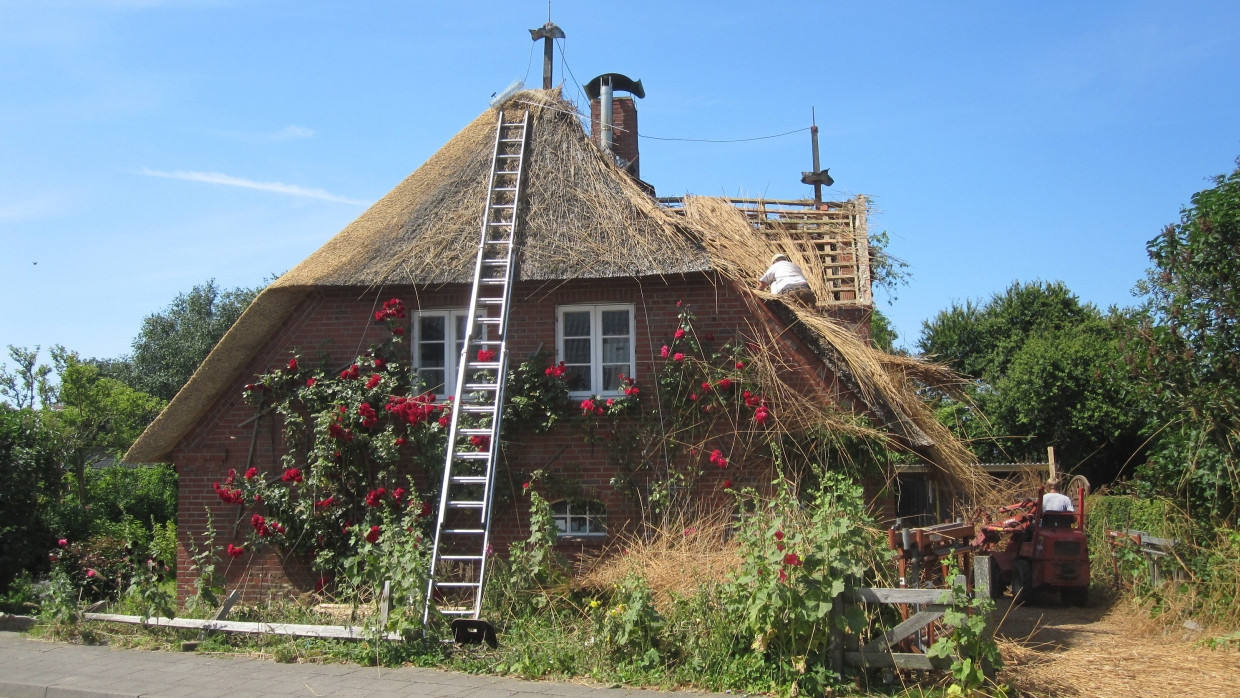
x,y
1058,519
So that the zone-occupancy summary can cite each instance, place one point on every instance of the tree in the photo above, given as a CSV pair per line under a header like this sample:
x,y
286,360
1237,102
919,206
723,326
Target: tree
x,y
30,380
95,417
174,342
1046,371
882,333
28,478
1188,347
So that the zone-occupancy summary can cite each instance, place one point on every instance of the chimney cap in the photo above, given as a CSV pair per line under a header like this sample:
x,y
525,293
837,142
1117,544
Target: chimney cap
x,y
618,81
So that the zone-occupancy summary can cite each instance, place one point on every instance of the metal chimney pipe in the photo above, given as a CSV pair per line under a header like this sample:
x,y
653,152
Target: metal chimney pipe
x,y
605,115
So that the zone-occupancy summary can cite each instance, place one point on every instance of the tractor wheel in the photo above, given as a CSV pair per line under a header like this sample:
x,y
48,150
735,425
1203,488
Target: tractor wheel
x,y
997,584
1022,582
1075,596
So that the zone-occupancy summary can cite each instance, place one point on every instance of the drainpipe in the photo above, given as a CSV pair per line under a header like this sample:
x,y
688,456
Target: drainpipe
x,y
605,115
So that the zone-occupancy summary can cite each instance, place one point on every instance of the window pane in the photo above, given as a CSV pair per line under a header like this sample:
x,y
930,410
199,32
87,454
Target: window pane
x,y
577,377
611,375
615,322
430,355
577,324
577,351
431,329
616,350
434,380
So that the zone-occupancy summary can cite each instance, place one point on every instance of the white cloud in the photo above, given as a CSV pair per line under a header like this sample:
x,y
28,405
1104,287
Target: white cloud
x,y
231,181
291,132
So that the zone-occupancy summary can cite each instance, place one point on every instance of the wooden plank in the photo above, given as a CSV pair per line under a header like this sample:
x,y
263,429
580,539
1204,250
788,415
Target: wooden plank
x,y
897,660
915,622
918,596
233,626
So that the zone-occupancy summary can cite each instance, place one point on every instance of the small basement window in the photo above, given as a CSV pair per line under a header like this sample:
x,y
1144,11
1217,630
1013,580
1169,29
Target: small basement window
x,y
579,517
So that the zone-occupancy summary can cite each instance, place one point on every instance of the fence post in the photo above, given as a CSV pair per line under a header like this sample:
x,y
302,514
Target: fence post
x,y
837,634
982,584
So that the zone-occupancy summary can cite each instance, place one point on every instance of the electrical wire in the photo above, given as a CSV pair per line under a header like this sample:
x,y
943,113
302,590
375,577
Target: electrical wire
x,y
581,91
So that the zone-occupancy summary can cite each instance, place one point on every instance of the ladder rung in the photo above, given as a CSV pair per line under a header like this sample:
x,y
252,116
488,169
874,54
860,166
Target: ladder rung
x,y
503,205
507,172
472,455
456,584
469,479
475,387
463,504
474,431
508,155
456,612
493,282
488,320
497,223
503,188
477,408
486,342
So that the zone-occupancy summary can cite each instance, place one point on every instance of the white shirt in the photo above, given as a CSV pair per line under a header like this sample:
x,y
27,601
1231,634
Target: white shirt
x,y
1053,501
783,274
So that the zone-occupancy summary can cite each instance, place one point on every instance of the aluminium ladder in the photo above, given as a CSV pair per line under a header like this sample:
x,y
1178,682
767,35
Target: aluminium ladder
x,y
463,522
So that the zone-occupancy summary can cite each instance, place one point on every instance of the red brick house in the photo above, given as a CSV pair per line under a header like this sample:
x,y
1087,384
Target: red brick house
x,y
602,262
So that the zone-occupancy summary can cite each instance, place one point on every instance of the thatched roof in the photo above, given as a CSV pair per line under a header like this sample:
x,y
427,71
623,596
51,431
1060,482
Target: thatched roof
x,y
584,217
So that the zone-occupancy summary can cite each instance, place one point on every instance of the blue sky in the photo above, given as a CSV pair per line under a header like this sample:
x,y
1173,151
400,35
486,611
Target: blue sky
x,y
147,146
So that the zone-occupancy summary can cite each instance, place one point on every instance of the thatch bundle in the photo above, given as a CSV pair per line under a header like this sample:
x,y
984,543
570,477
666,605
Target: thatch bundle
x,y
886,384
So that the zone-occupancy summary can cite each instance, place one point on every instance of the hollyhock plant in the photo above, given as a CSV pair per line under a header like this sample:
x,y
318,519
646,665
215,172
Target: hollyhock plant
x,y
792,559
375,497
373,535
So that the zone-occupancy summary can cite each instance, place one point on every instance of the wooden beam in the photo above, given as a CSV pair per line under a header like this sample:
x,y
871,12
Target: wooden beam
x,y
339,632
897,660
935,597
915,622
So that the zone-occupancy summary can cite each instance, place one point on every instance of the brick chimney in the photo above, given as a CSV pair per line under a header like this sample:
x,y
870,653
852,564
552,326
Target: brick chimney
x,y
624,131
613,119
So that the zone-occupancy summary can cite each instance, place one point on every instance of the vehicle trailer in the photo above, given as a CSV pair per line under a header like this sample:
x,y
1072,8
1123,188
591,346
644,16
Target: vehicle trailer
x,y
1034,551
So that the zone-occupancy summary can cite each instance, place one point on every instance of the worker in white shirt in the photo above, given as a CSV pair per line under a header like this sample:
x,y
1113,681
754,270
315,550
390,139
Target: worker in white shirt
x,y
1053,500
784,277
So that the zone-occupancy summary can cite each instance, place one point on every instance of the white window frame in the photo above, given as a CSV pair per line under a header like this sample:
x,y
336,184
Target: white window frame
x,y
452,354
596,522
596,344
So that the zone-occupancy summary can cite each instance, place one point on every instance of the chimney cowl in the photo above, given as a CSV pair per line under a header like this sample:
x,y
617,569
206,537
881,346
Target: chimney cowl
x,y
613,120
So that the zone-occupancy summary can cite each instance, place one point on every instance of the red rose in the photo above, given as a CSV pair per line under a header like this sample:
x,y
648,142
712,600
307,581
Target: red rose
x,y
373,380
664,351
678,357
292,365
727,484
740,364
485,356
249,474
235,551
679,333
292,475
399,493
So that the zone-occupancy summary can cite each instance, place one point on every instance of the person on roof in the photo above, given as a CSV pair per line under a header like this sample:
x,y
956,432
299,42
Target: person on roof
x,y
1053,501
785,278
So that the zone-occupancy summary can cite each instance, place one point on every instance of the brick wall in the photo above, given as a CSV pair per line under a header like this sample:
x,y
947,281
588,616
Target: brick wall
x,y
336,324
624,133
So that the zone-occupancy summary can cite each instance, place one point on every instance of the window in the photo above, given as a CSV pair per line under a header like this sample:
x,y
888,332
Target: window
x,y
595,342
579,517
435,352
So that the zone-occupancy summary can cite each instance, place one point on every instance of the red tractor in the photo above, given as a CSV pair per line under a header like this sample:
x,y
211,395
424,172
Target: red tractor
x,y
1035,550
